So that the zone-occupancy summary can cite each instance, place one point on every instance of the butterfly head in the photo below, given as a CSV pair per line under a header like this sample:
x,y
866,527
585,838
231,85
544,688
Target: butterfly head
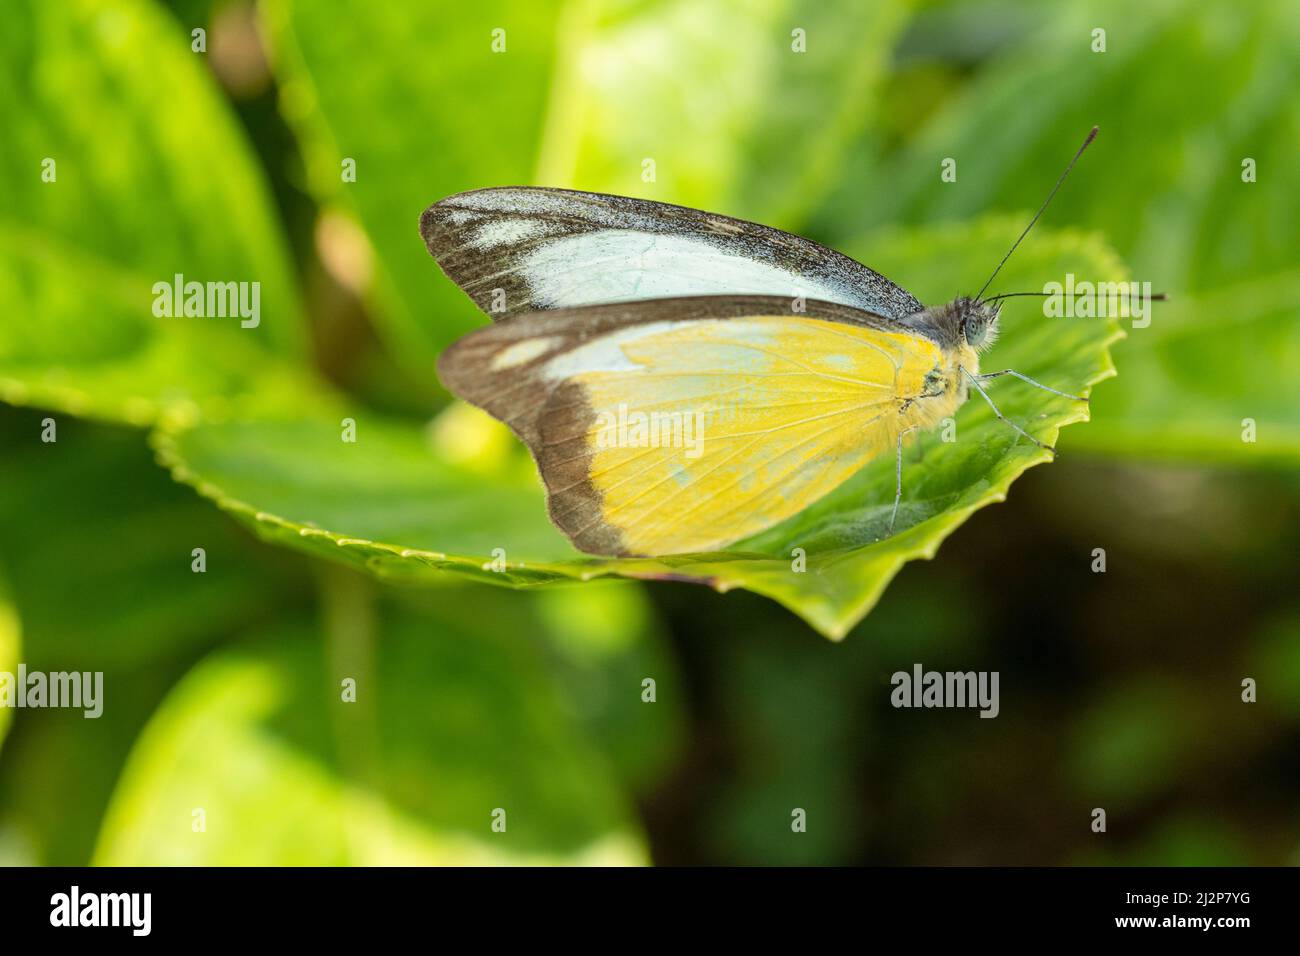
x,y
978,322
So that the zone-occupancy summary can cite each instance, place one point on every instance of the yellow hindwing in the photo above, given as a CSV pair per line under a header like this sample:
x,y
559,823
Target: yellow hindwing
x,y
705,432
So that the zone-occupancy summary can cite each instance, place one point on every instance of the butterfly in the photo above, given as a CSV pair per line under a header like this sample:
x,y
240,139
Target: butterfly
x,y
685,380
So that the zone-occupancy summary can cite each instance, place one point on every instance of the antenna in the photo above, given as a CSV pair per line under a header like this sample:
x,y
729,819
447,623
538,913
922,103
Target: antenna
x,y
1157,297
1091,136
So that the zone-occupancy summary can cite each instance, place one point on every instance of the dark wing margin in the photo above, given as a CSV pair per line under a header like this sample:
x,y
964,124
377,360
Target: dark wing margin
x,y
574,503
483,240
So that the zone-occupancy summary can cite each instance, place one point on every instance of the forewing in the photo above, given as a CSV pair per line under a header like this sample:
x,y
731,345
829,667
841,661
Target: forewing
x,y
521,249
680,426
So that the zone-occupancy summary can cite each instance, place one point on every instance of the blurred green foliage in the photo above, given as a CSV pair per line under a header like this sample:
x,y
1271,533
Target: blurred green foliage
x,y
153,178
451,724
1120,690
1185,93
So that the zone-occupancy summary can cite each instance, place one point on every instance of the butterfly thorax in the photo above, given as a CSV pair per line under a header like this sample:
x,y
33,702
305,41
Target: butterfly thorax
x,y
959,330
936,390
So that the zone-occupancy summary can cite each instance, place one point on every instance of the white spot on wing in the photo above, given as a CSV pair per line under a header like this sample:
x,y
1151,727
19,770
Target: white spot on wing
x,y
497,232
521,352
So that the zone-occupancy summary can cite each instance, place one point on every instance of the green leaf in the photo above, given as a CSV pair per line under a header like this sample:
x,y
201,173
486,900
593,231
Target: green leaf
x,y
742,108
1170,198
151,177
449,724
435,113
394,505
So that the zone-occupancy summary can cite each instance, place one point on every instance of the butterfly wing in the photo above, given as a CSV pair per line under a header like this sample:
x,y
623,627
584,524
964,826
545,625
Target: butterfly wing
x,y
520,249
682,425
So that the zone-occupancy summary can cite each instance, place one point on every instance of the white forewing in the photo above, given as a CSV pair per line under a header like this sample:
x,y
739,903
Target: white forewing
x,y
520,249
620,265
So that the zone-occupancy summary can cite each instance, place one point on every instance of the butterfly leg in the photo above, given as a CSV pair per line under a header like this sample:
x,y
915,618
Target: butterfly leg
x,y
1025,378
898,475
974,380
